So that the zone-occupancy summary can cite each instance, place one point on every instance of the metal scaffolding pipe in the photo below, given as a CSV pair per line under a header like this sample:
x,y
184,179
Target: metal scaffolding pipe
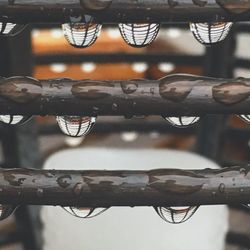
x,y
174,95
159,187
117,11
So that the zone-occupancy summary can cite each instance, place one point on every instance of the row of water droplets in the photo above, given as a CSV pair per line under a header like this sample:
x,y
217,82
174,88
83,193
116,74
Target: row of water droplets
x,y
82,31
84,34
173,215
77,126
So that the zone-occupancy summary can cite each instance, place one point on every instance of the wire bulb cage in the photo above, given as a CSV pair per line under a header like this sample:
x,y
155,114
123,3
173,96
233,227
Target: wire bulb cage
x,y
210,33
10,29
14,119
84,213
182,121
176,215
6,211
81,32
75,126
139,35
245,118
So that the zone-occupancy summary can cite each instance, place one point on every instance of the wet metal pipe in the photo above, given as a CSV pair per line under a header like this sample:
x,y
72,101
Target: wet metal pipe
x,y
159,187
117,11
173,95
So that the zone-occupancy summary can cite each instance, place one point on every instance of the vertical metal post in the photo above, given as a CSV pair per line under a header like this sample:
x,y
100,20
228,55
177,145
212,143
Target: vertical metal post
x,y
218,63
20,143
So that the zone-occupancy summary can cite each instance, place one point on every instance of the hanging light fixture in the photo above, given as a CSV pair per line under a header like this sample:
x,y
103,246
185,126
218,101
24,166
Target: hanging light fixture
x,y
14,119
84,213
210,33
182,121
176,215
10,29
75,126
139,35
81,32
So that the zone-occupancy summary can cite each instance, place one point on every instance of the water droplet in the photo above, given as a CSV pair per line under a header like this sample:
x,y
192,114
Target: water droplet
x,y
210,33
176,215
75,126
245,118
246,205
81,33
84,213
139,35
6,211
7,29
182,121
14,119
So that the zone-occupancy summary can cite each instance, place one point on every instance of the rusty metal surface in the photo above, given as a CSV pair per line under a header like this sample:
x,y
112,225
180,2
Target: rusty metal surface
x,y
173,95
115,11
159,187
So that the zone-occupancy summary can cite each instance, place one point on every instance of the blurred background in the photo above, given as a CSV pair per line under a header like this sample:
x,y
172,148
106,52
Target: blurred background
x,y
42,52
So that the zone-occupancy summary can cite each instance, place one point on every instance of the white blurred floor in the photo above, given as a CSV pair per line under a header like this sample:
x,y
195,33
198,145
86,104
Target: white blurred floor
x,y
132,228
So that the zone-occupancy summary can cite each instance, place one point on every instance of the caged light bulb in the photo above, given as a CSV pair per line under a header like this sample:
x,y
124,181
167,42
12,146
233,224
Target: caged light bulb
x,y
14,119
182,121
81,32
139,35
75,126
176,215
84,213
210,33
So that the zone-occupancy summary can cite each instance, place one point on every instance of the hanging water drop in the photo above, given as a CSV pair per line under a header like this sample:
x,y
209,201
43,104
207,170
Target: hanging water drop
x,y
182,121
85,213
14,119
245,118
139,35
10,29
176,215
246,205
6,211
75,126
210,33
81,32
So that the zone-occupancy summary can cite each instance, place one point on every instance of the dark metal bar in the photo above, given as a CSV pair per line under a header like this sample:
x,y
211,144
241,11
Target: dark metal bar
x,y
239,239
118,58
24,11
242,63
218,63
160,187
172,95
8,239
